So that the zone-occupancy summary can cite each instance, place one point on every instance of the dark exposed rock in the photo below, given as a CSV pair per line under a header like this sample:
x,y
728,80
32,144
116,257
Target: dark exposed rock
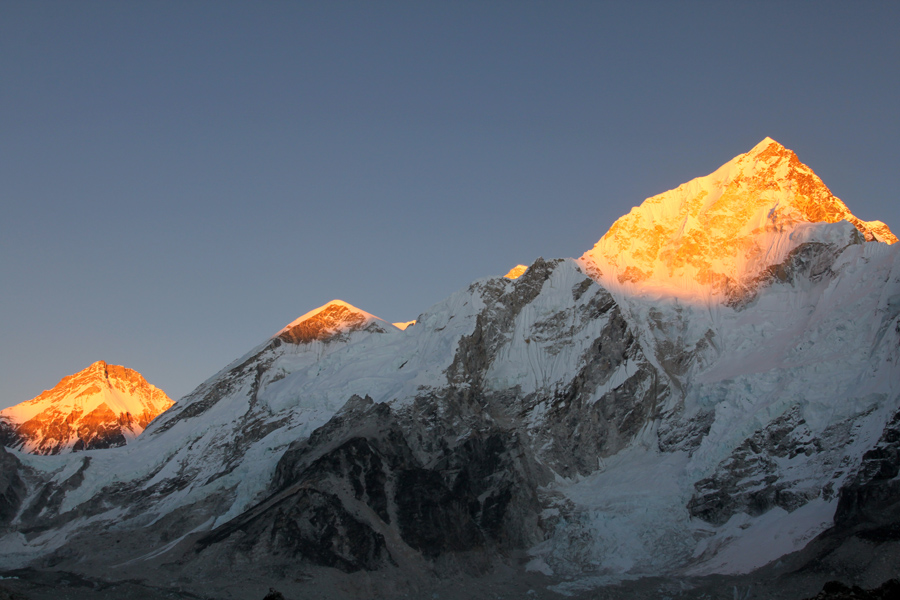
x,y
8,594
577,429
835,590
870,502
317,526
681,432
363,489
9,438
433,518
580,429
504,300
51,496
753,479
12,487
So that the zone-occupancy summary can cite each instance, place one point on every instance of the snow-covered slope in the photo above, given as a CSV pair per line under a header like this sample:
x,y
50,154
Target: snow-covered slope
x,y
697,394
99,407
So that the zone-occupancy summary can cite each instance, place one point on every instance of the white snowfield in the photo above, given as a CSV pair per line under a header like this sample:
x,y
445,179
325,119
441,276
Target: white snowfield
x,y
741,347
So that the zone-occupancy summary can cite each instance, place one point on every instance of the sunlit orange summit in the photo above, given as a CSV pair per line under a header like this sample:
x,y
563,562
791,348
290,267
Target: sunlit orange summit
x,y
711,238
100,407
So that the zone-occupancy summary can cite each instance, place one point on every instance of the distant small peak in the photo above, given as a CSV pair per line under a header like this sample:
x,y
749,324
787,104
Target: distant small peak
x,y
326,322
403,325
516,272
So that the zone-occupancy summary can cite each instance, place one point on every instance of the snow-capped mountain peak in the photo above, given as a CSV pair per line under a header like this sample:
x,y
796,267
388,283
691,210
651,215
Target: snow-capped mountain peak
x,y
715,234
328,321
101,406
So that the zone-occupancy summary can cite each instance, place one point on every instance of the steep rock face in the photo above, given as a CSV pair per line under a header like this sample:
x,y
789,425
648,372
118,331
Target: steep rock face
x,y
12,487
100,407
368,490
552,355
772,468
870,501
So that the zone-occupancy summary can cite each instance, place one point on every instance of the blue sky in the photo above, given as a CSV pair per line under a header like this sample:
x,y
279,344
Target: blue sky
x,y
181,179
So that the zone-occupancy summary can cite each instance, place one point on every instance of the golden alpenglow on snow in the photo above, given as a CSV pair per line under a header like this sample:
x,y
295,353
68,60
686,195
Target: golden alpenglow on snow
x,y
516,272
712,236
100,407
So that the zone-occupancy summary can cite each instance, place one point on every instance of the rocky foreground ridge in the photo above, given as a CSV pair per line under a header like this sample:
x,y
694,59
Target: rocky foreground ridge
x,y
102,406
702,415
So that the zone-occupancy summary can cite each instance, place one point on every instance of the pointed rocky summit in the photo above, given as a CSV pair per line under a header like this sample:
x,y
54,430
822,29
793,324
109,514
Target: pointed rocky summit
x,y
329,322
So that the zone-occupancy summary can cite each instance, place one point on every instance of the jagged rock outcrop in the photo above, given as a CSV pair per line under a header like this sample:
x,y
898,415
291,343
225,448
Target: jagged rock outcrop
x,y
771,468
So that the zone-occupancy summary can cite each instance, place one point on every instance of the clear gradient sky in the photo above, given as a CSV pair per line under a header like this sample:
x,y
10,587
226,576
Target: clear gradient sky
x,y
181,179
